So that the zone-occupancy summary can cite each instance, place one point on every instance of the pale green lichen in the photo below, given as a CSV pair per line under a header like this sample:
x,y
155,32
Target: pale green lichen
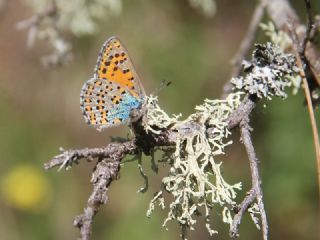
x,y
157,117
194,179
268,73
278,37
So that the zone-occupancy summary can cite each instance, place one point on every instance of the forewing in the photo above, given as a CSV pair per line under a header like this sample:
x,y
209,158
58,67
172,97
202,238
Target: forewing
x,y
114,64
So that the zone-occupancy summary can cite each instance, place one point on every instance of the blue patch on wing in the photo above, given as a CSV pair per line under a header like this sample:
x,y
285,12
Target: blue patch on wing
x,y
123,109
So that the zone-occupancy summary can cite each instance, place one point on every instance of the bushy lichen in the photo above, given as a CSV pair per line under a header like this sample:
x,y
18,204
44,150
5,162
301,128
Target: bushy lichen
x,y
268,73
278,37
194,179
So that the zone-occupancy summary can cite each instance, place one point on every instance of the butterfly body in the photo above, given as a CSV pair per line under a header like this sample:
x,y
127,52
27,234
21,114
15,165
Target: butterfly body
x,y
114,91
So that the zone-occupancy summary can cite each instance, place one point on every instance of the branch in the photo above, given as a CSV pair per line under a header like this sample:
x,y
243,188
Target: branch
x,y
105,171
68,157
107,168
242,112
240,211
256,181
240,117
307,38
281,13
306,74
109,158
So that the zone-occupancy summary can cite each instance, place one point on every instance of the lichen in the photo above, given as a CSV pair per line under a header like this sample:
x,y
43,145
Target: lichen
x,y
284,41
278,37
156,116
194,178
268,73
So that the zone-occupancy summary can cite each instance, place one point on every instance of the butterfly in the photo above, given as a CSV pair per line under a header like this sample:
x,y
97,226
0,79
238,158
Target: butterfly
x,y
107,99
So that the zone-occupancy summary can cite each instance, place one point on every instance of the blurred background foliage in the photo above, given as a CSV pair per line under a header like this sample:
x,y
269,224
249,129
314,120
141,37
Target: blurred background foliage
x,y
179,41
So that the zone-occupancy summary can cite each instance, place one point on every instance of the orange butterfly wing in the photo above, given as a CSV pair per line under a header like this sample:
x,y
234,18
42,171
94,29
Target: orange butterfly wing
x,y
115,65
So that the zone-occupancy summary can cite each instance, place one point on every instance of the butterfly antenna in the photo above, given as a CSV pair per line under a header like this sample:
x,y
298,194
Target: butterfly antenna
x,y
164,83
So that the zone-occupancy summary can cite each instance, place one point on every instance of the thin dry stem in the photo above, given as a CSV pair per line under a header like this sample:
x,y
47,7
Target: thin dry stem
x,y
255,177
304,66
240,211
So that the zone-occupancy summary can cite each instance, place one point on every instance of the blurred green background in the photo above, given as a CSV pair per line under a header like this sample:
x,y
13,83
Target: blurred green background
x,y
166,40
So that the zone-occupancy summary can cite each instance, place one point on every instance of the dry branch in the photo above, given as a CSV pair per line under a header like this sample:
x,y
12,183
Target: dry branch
x,y
109,158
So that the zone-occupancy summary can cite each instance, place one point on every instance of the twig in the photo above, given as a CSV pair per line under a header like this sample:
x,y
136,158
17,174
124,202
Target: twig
x,y
255,177
242,111
303,66
107,168
245,45
105,172
240,211
310,25
280,12
313,126
240,118
68,157
303,62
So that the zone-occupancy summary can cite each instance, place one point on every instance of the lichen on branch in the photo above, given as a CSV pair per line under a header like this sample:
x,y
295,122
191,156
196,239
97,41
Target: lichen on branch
x,y
194,178
191,149
269,72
